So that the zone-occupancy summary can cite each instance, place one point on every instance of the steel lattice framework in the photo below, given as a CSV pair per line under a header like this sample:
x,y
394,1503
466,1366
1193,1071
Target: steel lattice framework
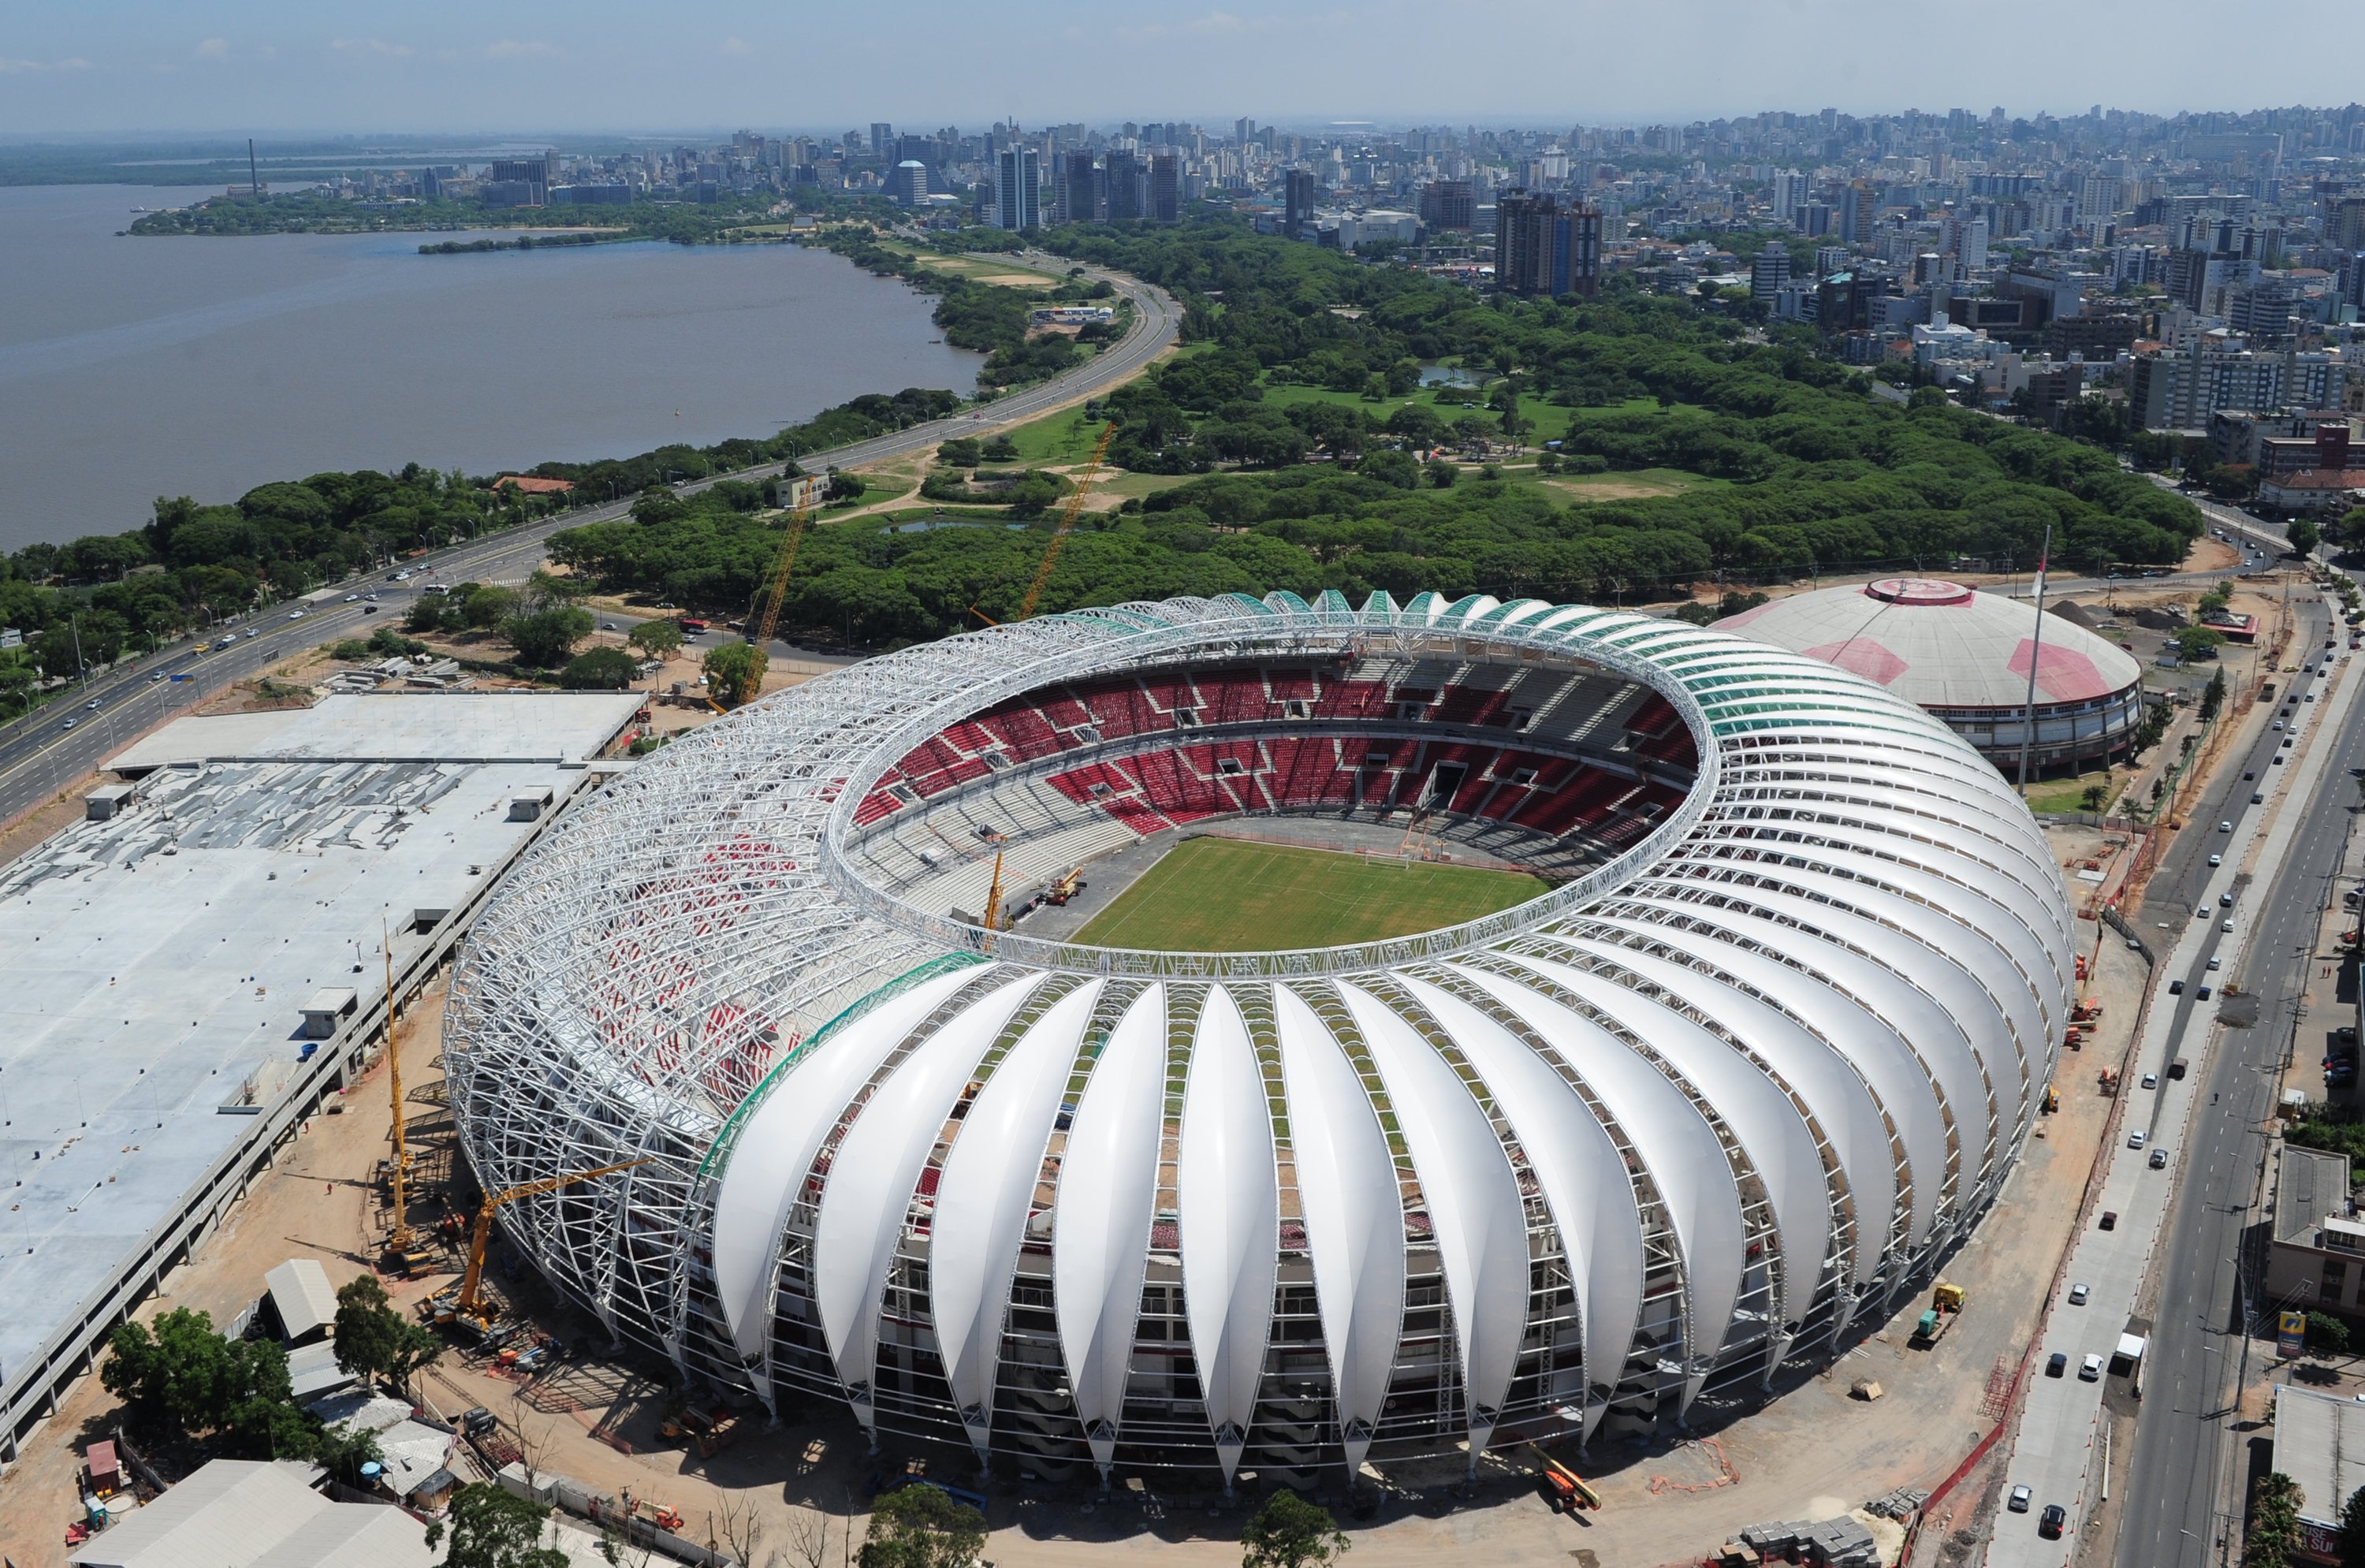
x,y
1711,1106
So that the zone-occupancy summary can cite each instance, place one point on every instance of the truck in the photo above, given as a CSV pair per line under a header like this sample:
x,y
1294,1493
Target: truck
x,y
1946,1305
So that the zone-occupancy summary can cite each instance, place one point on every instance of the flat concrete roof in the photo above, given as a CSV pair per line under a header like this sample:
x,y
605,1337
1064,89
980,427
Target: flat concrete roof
x,y
2320,1443
154,970
441,726
2311,1185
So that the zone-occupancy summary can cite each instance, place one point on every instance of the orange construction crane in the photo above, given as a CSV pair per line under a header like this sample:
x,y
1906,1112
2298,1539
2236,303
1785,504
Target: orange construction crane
x,y
993,893
776,591
399,1239
1067,515
468,1305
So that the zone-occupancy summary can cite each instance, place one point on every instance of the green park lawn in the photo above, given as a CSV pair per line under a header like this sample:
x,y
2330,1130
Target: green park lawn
x,y
1221,895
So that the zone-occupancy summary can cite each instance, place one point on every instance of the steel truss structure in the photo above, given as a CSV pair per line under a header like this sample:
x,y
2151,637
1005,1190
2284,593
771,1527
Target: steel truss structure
x,y
1710,1107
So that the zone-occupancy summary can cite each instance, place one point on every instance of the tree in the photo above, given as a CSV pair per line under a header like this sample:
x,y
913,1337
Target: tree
x,y
656,639
494,1528
599,669
2350,1544
2304,537
922,1527
344,1450
185,1380
2213,696
2275,1522
1290,1533
998,449
546,636
1442,474
2197,642
373,1340
2093,795
2327,1334
734,673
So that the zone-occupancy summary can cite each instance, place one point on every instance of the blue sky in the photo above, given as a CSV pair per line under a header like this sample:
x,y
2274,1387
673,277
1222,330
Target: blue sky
x,y
116,66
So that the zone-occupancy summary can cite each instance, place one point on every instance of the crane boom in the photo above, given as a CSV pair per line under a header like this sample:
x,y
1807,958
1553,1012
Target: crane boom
x,y
397,1239
484,1228
993,893
1067,515
776,591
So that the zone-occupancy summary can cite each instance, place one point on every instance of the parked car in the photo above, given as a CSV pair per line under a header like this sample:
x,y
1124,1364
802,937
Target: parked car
x,y
2018,1502
2090,1370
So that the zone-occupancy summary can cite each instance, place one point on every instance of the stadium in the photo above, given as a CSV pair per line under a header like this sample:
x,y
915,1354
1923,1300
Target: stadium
x,y
1740,1041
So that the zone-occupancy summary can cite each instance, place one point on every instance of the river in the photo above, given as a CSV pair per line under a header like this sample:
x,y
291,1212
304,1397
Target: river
x,y
131,368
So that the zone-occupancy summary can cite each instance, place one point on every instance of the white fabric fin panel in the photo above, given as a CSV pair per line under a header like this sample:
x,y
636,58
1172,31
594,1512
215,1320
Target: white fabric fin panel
x,y
1354,1215
984,1198
878,1165
1753,1105
1475,1210
776,1146
1107,1198
1886,1063
1582,1176
1678,1149
1228,1202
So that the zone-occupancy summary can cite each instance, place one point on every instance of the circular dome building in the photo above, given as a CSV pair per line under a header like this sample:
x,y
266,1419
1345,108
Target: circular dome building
x,y
1964,657
1718,1100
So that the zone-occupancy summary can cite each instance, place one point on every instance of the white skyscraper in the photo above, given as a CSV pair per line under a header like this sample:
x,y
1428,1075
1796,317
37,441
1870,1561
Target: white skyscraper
x,y
1789,188
1017,188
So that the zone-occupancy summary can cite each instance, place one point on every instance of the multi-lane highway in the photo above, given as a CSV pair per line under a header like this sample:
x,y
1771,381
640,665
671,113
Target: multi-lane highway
x,y
2177,1224
48,750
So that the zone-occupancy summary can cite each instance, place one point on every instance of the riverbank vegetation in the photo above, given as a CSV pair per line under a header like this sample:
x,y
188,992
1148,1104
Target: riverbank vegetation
x,y
310,212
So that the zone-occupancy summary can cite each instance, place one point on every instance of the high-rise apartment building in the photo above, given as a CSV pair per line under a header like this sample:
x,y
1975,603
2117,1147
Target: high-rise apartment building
x,y
2344,224
1121,186
907,183
1768,271
882,139
1080,188
1297,203
1448,204
1786,191
1543,248
1165,187
1017,188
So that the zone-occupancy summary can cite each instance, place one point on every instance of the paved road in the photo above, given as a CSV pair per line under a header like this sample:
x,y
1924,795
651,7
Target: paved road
x,y
2181,1465
40,754
2180,1224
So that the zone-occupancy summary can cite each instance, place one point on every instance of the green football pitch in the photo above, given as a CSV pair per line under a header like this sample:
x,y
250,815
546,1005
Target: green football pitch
x,y
1223,895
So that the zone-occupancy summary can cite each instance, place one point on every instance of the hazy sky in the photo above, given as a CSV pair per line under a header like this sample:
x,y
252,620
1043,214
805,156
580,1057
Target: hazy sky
x,y
539,65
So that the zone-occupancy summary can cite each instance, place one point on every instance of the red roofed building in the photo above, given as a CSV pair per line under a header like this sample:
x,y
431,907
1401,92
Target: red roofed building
x,y
2316,489
532,485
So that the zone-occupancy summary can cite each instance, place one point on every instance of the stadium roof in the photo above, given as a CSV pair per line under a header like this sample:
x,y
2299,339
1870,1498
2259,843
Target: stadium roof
x,y
1788,1040
1941,645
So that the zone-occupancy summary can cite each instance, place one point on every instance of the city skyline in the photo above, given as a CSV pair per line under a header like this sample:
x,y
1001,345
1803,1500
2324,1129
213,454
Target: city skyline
x,y
266,67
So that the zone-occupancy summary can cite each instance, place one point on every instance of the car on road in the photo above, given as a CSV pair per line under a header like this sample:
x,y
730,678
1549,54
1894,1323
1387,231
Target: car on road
x,y
2151,1081
92,704
157,676
2279,723
2078,1295
2159,1159
2056,1364
2109,1220
2049,1522
2258,800
369,609
2226,925
2202,994
353,598
2135,1139
2175,988
2201,914
297,614
2019,1500
604,626
2226,826
2216,860
2090,1370
2215,964
72,722
2225,900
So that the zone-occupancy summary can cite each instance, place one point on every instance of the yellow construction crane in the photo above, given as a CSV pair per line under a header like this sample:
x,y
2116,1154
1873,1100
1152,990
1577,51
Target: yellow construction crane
x,y
467,1306
1067,515
993,893
397,1239
775,592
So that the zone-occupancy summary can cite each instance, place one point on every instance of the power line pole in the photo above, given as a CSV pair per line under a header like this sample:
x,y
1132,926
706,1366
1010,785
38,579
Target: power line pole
x,y
2035,651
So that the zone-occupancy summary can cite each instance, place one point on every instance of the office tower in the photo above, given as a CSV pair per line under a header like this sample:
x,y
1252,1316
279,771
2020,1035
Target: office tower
x,y
1079,189
1121,186
1448,204
1788,189
1812,219
2344,224
1017,194
1297,203
1768,271
882,139
1543,248
1243,130
907,183
1165,187
1853,221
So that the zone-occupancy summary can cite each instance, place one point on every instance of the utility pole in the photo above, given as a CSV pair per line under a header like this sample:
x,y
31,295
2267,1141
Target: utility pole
x,y
2035,651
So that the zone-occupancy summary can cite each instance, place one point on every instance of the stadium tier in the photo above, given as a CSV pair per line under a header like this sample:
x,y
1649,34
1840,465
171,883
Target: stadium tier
x,y
1710,1106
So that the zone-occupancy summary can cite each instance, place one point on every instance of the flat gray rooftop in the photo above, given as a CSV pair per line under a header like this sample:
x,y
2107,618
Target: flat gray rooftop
x,y
2320,1443
455,726
154,966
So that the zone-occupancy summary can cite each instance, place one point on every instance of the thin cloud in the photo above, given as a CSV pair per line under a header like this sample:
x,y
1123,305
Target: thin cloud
x,y
214,49
378,47
9,67
737,47
520,49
